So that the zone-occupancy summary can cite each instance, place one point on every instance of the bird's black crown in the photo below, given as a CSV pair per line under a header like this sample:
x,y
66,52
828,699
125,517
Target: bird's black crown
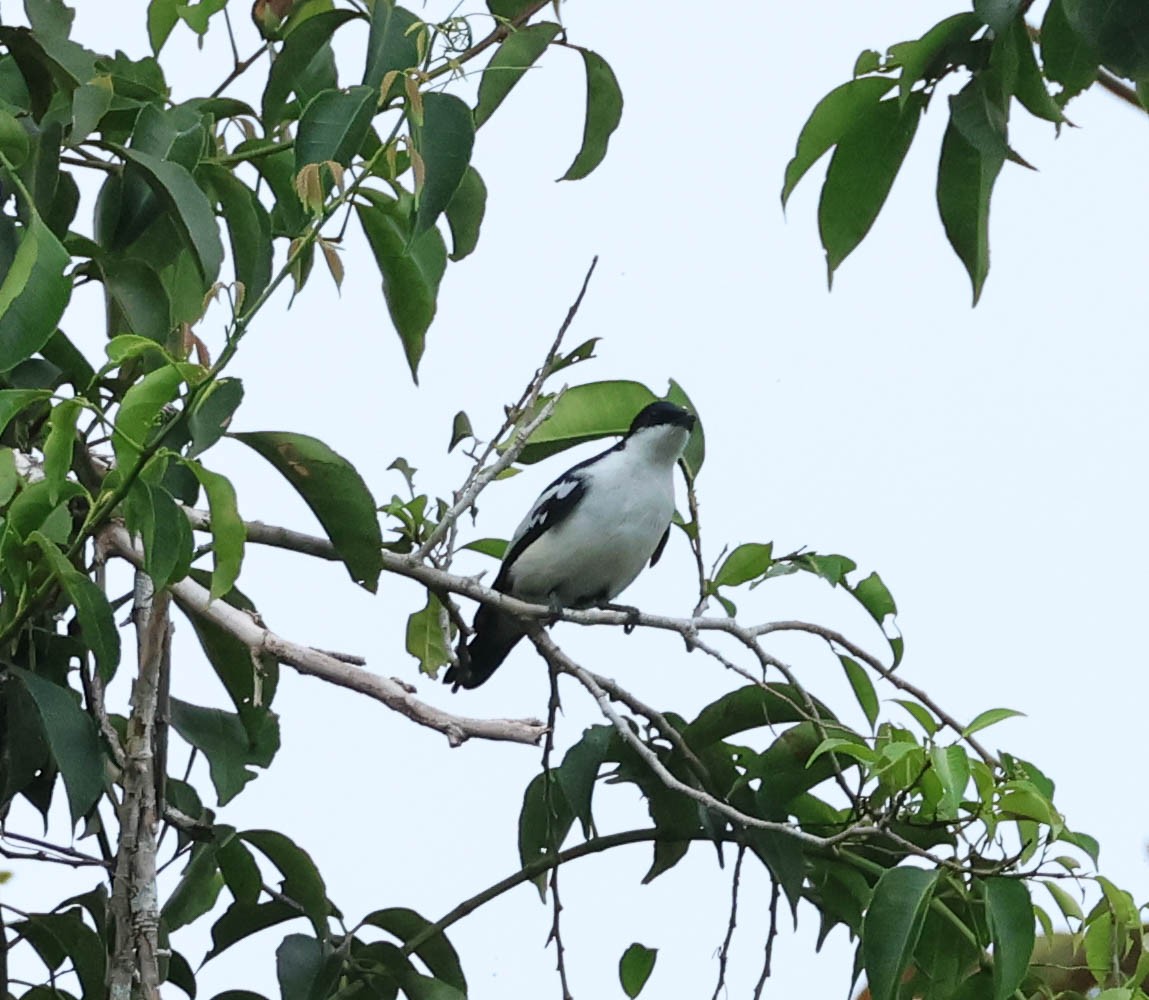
x,y
662,414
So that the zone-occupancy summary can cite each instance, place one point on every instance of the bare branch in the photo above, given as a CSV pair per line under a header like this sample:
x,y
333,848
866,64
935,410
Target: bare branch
x,y
196,600
771,934
436,579
47,851
481,474
724,951
557,658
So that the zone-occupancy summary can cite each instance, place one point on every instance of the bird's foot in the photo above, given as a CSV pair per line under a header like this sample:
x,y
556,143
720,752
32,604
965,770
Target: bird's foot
x,y
632,614
556,611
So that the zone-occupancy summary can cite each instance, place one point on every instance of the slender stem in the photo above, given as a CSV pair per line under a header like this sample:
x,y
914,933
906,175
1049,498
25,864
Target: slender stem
x,y
540,866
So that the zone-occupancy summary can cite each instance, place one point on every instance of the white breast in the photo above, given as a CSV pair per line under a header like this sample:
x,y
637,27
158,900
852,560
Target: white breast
x,y
599,549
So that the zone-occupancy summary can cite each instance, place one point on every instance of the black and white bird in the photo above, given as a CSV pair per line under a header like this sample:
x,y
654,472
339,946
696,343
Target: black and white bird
x,y
587,537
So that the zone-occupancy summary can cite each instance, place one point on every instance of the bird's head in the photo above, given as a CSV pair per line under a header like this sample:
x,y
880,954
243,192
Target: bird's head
x,y
663,427
662,414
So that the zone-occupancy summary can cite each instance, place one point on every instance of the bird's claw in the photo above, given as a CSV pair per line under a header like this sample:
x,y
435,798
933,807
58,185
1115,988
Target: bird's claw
x,y
632,615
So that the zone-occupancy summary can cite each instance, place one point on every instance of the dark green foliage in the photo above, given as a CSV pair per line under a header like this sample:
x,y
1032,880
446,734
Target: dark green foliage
x,y
995,52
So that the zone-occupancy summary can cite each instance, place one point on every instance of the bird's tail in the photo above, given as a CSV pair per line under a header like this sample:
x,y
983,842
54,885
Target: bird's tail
x,y
495,635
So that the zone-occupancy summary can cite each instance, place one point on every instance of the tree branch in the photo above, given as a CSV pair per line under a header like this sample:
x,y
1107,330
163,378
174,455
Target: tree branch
x,y
540,866
196,600
135,901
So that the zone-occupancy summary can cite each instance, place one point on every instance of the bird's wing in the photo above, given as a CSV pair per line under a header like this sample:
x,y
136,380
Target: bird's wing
x,y
661,545
553,506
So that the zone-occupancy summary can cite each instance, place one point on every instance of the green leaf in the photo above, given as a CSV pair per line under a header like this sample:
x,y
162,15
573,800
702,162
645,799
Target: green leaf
x,y
951,767
436,952
514,56
14,401
189,206
249,231
875,597
1000,15
224,741
861,173
59,444
13,139
137,300
444,140
1065,902
586,413
745,563
152,513
391,45
90,103
1027,803
1117,29
921,715
1066,57
635,967
411,266
241,920
988,718
211,413
749,707
1009,914
299,48
94,613
1083,842
579,770
163,15
1030,88
336,494
695,452
65,936
50,18
926,57
228,533
299,962
892,925
838,113
966,175
237,866
849,747
544,822
72,738
301,879
425,640
334,126
862,687
33,295
139,412
250,681
465,213
496,548
603,113
197,890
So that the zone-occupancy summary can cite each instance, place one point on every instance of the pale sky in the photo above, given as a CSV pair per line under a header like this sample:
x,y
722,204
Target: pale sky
x,y
987,463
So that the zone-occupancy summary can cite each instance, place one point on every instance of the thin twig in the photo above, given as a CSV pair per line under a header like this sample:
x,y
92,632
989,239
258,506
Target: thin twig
x,y
541,865
553,706
67,855
481,475
775,892
724,951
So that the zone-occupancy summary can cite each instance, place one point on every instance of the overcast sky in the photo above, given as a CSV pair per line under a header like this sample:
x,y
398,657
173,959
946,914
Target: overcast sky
x,y
988,463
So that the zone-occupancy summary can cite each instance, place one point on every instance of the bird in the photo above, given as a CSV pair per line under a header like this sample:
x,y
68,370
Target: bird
x,y
586,538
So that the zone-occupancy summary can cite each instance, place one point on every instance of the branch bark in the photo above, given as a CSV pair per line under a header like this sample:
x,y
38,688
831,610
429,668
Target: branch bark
x,y
196,600
134,905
